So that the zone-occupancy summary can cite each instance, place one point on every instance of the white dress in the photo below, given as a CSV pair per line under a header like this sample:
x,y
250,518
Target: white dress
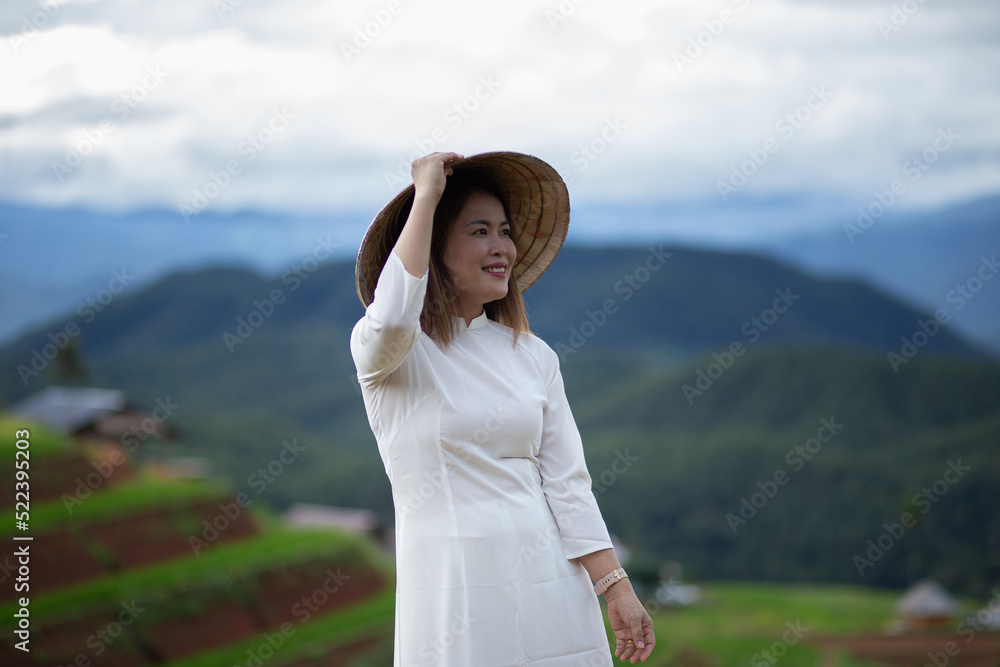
x,y
491,490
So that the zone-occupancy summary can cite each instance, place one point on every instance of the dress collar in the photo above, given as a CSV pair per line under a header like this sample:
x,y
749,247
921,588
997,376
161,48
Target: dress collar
x,y
477,323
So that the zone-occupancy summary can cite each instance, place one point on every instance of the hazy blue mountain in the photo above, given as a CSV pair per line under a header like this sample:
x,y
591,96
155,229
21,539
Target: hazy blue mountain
x,y
53,260
931,260
664,301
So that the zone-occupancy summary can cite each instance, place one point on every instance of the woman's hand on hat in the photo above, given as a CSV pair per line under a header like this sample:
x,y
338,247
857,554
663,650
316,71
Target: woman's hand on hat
x,y
414,243
430,173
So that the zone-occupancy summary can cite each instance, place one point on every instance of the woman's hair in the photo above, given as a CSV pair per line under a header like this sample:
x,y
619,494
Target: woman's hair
x,y
441,300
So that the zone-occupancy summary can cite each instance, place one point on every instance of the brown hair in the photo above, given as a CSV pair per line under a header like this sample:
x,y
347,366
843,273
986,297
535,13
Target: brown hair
x,y
441,299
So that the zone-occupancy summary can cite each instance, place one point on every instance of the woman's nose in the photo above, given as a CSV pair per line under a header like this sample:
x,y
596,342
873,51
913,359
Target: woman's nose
x,y
497,245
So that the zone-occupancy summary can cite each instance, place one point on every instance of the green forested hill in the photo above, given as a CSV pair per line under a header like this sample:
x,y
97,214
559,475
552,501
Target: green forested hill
x,y
244,384
826,447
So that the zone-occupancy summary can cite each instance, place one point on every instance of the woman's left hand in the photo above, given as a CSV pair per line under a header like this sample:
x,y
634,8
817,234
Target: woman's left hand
x,y
631,624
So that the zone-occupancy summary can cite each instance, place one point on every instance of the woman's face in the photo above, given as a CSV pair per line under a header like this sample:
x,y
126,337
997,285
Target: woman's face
x,y
479,253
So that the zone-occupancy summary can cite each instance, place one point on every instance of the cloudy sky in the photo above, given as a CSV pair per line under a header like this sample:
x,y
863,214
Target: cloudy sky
x,y
318,107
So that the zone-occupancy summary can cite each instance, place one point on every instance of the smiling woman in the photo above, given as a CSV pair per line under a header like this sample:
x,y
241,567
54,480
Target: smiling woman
x,y
472,255
477,253
499,539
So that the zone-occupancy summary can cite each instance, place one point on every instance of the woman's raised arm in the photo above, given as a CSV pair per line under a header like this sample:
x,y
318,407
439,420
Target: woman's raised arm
x,y
386,334
414,243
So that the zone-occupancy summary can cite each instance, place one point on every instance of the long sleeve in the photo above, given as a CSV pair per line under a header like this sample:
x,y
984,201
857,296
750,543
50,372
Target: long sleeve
x,y
382,339
566,482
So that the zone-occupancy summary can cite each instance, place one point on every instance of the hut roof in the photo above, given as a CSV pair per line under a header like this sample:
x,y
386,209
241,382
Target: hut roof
x,y
70,408
358,520
88,411
927,599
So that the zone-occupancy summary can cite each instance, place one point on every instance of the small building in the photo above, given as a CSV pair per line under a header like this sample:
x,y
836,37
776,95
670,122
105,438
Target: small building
x,y
927,629
363,521
107,425
89,413
926,606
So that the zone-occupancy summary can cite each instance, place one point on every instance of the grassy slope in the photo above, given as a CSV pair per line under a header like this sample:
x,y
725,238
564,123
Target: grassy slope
x,y
734,623
730,626
43,440
225,566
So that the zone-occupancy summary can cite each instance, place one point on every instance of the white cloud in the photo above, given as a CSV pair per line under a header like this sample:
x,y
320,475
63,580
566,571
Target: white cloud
x,y
554,87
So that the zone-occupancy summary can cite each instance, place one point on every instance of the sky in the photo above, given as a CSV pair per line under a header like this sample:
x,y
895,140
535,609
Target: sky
x,y
318,108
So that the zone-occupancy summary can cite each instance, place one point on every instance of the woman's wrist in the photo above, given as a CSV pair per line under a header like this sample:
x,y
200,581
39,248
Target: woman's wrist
x,y
617,589
426,200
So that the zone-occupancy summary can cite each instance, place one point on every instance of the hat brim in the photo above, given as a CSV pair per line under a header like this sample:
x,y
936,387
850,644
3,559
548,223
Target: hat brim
x,y
539,211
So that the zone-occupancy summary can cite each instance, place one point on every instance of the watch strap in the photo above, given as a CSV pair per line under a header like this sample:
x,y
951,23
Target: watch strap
x,y
608,579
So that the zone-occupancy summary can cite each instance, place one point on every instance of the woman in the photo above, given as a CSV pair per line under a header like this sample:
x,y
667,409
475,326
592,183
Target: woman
x,y
498,534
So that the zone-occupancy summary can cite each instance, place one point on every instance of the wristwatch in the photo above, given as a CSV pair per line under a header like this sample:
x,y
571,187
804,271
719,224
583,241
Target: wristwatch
x,y
608,579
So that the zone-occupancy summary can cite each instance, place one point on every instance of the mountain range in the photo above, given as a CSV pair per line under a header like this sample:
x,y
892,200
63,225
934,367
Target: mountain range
x,y
768,422
53,260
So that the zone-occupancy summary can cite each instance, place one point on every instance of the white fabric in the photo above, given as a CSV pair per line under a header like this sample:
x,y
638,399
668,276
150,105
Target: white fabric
x,y
492,494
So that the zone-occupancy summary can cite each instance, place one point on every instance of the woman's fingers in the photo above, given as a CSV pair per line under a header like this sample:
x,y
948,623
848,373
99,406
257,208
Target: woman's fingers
x,y
448,159
649,641
430,171
436,159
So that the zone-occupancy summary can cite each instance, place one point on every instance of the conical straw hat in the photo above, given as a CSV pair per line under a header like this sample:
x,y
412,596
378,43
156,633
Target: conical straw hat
x,y
539,211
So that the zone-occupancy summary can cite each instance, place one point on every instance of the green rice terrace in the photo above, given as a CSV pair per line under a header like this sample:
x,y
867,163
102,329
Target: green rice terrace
x,y
133,568
128,568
